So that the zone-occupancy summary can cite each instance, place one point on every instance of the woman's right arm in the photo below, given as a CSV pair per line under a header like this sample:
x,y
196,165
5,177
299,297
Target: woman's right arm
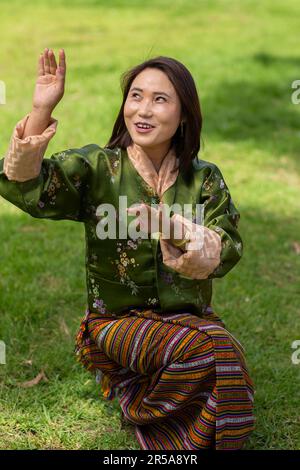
x,y
45,188
29,141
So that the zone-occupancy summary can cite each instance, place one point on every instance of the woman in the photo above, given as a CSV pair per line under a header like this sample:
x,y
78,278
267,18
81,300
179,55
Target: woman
x,y
149,334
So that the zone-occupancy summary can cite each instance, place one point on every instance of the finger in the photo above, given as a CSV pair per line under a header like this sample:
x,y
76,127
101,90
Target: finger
x,y
46,61
62,63
41,70
53,65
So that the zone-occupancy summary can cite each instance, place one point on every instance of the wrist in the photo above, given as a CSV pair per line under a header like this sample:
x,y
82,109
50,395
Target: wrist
x,y
38,121
42,112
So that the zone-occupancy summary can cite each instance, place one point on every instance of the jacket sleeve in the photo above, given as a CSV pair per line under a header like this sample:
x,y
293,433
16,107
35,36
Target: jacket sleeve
x,y
215,247
44,188
199,256
222,216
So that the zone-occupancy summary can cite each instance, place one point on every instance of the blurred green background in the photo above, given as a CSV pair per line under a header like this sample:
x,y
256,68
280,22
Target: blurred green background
x,y
244,56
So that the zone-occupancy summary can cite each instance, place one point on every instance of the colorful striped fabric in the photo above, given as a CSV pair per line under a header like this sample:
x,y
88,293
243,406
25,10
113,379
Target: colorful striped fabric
x,y
181,380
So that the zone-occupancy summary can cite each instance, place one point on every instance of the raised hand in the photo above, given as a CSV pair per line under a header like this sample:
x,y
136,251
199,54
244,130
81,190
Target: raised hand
x,y
50,83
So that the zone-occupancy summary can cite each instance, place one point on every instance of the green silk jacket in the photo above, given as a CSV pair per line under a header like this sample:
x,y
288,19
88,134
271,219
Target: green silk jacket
x,y
128,273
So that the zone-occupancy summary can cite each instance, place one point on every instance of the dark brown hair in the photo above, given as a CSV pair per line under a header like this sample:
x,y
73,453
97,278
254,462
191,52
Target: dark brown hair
x,y
186,146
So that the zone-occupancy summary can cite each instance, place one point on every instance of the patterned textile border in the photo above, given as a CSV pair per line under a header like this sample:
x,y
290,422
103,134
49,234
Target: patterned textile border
x,y
181,380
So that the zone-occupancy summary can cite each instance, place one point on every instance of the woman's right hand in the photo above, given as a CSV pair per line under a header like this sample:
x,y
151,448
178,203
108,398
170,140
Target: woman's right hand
x,y
50,84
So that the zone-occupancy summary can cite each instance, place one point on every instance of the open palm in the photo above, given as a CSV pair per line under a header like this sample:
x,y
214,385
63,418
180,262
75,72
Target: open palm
x,y
50,83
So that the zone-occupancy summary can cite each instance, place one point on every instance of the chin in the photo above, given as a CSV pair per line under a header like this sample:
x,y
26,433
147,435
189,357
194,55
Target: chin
x,y
146,145
144,142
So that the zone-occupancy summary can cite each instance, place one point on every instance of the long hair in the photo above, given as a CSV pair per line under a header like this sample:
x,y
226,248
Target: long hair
x,y
187,145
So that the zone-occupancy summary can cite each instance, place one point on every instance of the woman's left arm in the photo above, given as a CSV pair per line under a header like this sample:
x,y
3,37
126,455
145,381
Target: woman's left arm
x,y
216,246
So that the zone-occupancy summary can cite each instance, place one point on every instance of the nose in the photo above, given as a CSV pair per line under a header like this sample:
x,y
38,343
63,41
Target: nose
x,y
145,108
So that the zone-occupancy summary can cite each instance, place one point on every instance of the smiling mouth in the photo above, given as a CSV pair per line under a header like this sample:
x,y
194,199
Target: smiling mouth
x,y
143,129
143,125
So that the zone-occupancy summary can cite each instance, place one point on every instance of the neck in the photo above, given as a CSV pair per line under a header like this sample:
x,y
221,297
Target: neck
x,y
156,154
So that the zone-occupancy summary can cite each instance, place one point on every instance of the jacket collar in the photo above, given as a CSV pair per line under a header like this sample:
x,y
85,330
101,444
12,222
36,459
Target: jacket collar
x,y
167,174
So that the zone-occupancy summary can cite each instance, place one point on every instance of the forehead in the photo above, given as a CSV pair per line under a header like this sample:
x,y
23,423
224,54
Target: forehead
x,y
153,80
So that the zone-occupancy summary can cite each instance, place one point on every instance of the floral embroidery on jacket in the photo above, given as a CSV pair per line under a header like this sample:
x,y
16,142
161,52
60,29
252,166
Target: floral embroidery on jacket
x,y
207,185
177,286
238,246
77,182
53,186
98,303
91,230
114,161
152,301
125,261
62,155
211,180
146,188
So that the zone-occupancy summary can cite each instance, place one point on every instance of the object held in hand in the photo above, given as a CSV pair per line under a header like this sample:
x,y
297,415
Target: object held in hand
x,y
179,243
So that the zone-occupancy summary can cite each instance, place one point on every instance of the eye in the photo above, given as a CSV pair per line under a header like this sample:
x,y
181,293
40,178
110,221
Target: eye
x,y
158,97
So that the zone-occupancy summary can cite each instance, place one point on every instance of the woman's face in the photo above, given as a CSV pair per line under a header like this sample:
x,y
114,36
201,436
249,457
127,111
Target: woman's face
x,y
152,99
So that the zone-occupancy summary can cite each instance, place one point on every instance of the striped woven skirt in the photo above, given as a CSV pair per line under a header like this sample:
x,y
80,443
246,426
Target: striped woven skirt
x,y
181,380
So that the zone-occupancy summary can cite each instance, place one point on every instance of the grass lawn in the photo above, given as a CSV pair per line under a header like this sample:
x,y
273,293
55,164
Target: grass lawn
x,y
243,55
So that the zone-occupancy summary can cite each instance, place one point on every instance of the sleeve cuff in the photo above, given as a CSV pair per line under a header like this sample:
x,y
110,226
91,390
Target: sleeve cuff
x,y
203,251
23,159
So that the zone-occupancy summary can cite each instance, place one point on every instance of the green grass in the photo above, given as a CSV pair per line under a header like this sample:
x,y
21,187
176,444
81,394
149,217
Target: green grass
x,y
244,57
